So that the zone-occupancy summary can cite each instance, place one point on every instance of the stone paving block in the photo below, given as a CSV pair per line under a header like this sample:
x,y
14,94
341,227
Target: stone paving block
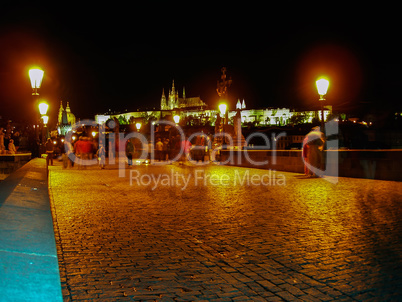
x,y
291,289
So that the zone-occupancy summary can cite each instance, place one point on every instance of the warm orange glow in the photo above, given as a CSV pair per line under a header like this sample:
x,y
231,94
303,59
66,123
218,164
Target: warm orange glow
x,y
36,76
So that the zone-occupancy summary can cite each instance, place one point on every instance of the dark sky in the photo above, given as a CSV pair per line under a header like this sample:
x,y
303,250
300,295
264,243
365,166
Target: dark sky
x,y
118,58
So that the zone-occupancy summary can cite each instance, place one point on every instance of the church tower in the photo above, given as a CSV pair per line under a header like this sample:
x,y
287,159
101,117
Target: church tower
x,y
61,110
238,105
163,100
173,98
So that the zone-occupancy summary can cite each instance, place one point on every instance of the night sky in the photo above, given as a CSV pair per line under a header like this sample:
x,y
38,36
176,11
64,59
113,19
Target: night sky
x,y
118,58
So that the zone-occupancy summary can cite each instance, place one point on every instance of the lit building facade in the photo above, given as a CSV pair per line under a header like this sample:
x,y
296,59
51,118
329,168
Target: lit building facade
x,y
195,108
65,119
174,102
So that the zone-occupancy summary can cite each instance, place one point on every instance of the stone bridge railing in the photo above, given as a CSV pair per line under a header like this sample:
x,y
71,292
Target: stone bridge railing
x,y
372,164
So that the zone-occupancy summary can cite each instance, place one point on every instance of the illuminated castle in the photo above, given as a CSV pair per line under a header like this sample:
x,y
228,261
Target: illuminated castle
x,y
174,102
65,119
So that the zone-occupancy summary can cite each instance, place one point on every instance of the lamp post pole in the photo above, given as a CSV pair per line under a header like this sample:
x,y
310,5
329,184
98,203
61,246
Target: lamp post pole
x,y
322,88
322,99
222,90
43,107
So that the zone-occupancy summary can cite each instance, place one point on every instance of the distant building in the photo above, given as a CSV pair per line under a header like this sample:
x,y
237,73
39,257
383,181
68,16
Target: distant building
x,y
195,108
240,105
174,102
65,119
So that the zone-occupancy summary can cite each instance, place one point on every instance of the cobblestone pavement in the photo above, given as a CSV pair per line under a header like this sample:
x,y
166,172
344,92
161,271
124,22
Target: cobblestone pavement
x,y
231,234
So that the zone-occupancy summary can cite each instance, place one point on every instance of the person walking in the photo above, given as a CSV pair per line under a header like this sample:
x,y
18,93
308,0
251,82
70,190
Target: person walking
x,y
185,147
159,149
166,149
305,150
101,153
315,146
129,152
68,147
49,152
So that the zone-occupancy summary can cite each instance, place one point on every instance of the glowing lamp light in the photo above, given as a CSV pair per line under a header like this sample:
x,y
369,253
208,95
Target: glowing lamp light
x,y
222,108
322,87
36,76
45,119
138,126
43,107
176,119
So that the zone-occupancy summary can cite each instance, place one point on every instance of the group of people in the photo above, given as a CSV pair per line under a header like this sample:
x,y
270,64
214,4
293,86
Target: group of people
x,y
166,149
83,149
11,147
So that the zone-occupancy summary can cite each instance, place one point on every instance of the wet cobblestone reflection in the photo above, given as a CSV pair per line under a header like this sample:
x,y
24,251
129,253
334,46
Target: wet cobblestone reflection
x,y
304,240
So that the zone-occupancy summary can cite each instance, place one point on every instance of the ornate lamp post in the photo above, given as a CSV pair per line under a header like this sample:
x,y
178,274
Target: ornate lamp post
x,y
222,108
36,77
222,89
322,88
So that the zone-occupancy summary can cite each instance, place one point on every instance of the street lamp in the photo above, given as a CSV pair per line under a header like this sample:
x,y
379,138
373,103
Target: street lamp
x,y
138,126
222,108
45,119
43,107
322,88
36,76
224,112
176,119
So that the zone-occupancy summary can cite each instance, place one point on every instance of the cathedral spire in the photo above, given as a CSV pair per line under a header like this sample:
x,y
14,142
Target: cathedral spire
x,y
238,105
184,93
163,100
61,110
